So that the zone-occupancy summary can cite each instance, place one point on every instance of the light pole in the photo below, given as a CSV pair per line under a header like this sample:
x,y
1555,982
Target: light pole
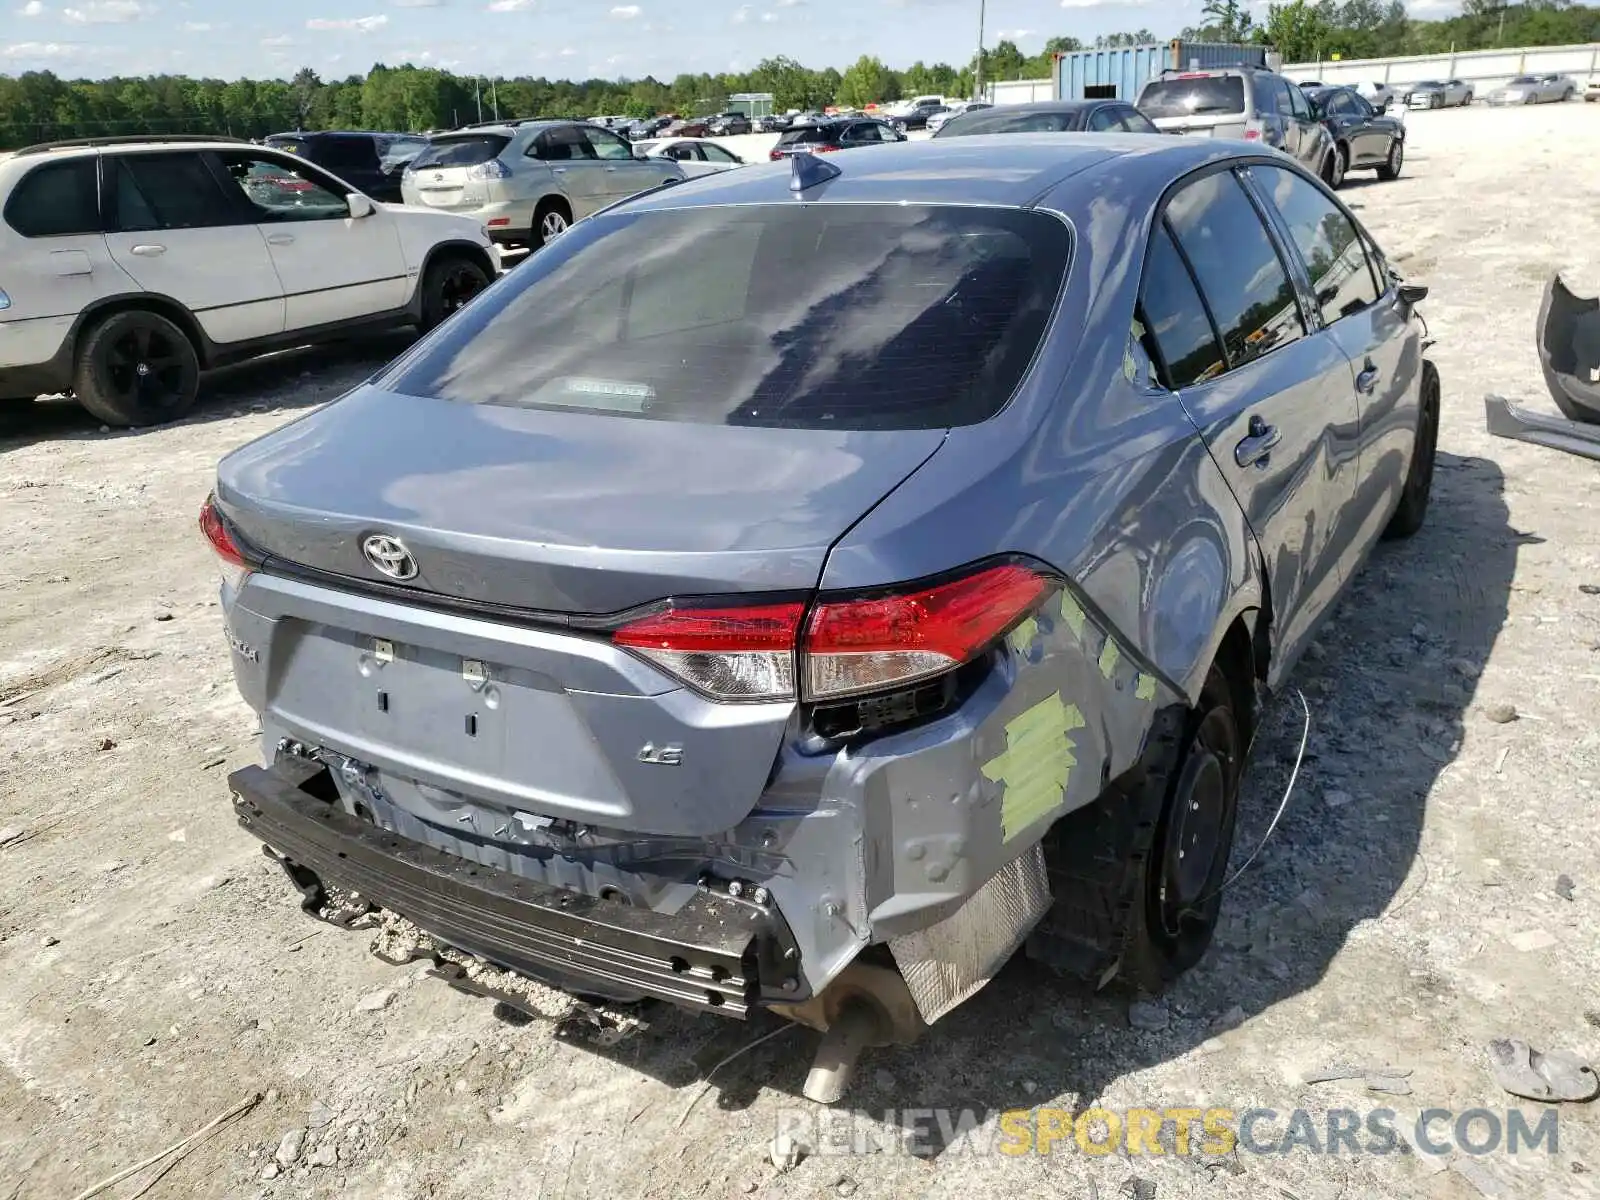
x,y
977,87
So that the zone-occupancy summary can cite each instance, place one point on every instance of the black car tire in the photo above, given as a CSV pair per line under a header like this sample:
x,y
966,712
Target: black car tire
x,y
1392,165
1113,865
451,281
1341,167
1412,510
136,367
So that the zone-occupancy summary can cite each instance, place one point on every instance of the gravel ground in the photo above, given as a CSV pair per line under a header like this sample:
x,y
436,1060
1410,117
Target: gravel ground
x,y
1408,909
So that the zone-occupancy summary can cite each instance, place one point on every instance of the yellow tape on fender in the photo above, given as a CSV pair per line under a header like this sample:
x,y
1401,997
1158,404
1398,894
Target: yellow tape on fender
x,y
1037,763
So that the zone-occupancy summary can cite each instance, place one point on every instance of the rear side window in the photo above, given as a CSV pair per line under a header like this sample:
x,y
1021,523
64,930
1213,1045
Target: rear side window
x,y
461,151
171,191
1003,122
1175,318
56,200
1272,95
1341,276
1209,95
821,316
348,153
1135,121
1236,265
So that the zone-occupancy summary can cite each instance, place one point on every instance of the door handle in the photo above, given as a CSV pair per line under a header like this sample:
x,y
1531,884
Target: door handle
x,y
148,250
1367,381
1255,449
613,169
559,170
280,239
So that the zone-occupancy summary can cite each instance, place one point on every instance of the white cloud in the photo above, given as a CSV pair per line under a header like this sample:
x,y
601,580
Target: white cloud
x,y
38,50
626,12
31,9
567,52
283,39
198,26
107,12
1013,35
742,15
790,3
348,24
769,17
1104,3
509,5
416,3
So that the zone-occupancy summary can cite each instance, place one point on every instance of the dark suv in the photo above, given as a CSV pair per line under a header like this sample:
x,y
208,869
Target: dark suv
x,y
1240,102
371,162
729,123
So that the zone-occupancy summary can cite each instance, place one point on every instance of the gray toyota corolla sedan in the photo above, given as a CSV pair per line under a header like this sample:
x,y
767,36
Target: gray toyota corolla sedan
x,y
802,587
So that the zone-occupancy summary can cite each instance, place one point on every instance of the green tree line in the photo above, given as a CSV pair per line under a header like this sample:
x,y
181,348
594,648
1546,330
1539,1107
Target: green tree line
x,y
40,106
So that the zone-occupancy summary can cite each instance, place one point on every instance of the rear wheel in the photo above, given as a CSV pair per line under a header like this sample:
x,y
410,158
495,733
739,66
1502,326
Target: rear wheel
x,y
1391,165
1137,875
449,284
550,221
136,368
1341,166
1413,508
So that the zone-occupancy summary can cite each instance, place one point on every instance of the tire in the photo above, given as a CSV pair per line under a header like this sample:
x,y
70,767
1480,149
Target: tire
x,y
1127,904
1341,167
1396,160
1412,510
550,220
451,281
136,367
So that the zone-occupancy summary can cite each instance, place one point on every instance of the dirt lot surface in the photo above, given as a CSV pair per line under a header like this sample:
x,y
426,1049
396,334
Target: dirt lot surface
x,y
156,970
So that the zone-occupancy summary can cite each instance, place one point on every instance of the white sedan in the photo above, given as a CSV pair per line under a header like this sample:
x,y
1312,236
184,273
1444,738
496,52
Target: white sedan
x,y
696,156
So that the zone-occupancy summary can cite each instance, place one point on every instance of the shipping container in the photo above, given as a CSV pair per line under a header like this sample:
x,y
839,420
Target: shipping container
x,y
1121,72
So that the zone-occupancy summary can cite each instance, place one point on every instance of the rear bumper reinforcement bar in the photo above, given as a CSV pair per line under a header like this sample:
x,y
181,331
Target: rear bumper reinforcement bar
x,y
1508,420
714,954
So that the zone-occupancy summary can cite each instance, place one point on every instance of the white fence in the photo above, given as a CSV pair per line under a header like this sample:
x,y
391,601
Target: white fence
x,y
1485,69
1020,91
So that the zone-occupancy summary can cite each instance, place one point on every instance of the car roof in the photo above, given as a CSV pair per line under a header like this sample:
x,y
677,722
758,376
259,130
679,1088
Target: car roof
x,y
82,147
1017,170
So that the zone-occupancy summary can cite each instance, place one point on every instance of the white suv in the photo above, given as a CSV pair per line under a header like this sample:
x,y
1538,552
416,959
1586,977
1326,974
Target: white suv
x,y
128,266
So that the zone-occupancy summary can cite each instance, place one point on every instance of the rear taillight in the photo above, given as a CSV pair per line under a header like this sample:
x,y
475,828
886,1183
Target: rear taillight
x,y
493,169
774,156
824,148
1252,134
850,647
856,646
231,559
727,652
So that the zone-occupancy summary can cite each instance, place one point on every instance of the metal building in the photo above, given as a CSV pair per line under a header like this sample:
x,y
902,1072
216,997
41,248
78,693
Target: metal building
x,y
1120,72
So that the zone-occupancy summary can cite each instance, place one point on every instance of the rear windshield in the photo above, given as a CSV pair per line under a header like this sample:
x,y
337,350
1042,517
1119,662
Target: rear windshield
x,y
1000,121
1525,79
808,133
818,316
1193,97
461,151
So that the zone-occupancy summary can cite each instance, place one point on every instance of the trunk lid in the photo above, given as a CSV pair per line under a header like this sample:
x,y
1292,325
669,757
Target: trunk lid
x,y
559,512
444,174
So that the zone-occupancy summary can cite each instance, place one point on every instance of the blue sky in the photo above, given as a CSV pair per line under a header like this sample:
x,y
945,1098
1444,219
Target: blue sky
x,y
557,38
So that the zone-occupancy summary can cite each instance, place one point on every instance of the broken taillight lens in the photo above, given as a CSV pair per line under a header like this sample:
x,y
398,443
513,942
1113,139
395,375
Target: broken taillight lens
x,y
850,647
857,646
732,653
231,559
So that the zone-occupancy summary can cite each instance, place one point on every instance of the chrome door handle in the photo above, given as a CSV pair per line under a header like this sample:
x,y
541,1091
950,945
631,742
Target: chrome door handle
x,y
559,170
1367,381
611,169
280,239
1255,449
148,250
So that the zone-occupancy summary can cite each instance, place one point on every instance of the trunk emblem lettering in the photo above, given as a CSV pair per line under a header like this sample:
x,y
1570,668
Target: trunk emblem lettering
x,y
390,556
661,756
243,648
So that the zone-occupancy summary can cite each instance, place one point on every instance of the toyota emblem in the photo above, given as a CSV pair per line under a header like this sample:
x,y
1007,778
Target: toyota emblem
x,y
389,555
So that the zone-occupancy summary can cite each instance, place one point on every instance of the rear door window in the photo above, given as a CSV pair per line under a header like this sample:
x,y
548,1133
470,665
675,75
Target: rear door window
x,y
865,316
1329,245
1103,119
1175,318
345,153
806,134
461,151
1204,96
57,200
1237,266
1135,121
172,191
564,143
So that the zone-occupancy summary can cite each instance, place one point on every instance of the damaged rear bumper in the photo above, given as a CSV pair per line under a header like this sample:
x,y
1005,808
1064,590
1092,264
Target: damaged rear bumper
x,y
716,953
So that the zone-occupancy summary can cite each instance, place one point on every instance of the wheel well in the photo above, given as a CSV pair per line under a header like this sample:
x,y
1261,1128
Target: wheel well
x,y
466,250
550,202
169,309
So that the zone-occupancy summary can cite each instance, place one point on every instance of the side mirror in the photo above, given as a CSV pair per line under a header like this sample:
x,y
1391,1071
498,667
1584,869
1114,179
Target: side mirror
x,y
359,205
1413,293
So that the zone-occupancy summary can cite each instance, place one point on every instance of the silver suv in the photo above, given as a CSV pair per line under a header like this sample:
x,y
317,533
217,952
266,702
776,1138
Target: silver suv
x,y
1240,102
527,181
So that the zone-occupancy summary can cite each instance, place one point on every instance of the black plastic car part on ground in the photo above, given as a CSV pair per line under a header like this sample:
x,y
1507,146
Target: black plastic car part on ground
x,y
718,953
1568,341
